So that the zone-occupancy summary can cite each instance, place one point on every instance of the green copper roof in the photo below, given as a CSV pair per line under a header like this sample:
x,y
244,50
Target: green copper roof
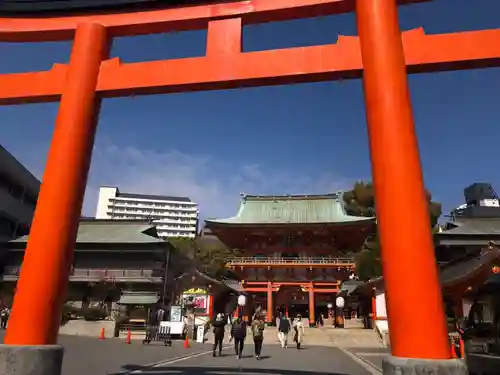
x,y
294,209
112,231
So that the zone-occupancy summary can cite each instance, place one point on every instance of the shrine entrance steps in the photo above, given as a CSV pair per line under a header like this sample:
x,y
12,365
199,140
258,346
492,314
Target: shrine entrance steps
x,y
352,336
354,324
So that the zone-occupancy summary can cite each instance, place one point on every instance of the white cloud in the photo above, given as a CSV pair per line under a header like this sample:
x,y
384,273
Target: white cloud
x,y
215,184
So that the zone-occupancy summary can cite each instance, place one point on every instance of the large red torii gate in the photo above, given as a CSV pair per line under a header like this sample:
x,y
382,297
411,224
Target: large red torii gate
x,y
380,54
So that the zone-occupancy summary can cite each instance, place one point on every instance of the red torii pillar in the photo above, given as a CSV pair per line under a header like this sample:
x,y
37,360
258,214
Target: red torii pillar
x,y
43,282
417,329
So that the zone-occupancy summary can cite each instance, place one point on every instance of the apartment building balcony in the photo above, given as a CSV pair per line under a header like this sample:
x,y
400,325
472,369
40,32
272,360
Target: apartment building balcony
x,y
139,275
177,221
311,262
164,215
150,206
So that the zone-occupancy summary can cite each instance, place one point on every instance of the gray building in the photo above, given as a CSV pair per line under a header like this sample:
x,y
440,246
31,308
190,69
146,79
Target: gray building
x,y
18,195
120,262
110,256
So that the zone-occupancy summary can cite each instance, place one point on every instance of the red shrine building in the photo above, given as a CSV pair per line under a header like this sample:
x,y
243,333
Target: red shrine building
x,y
294,250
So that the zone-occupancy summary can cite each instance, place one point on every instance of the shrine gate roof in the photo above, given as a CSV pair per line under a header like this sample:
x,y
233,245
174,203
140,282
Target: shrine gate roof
x,y
291,209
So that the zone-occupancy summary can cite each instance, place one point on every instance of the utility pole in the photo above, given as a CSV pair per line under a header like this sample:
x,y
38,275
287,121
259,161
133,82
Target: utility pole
x,y
165,275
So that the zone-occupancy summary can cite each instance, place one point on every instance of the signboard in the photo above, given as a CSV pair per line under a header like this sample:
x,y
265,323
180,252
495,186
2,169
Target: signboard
x,y
175,313
195,291
11,7
200,302
199,298
200,334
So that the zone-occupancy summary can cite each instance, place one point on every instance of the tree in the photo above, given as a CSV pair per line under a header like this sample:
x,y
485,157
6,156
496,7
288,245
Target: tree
x,y
360,201
209,256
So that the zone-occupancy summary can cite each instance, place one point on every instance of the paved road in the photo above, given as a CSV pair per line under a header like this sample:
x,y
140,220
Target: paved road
x,y
90,356
371,356
275,360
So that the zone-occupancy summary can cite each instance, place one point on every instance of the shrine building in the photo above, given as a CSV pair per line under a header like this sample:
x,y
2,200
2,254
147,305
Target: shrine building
x,y
296,250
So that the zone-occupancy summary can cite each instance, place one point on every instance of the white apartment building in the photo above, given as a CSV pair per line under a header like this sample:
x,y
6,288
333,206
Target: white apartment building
x,y
173,216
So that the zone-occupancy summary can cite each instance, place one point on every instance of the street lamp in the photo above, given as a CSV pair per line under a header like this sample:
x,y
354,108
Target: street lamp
x,y
340,303
330,313
242,301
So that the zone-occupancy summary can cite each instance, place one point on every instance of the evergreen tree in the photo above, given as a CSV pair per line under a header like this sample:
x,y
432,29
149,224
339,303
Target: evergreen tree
x,y
360,201
209,256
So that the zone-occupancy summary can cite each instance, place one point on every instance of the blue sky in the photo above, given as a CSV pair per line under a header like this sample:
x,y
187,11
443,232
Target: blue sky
x,y
308,138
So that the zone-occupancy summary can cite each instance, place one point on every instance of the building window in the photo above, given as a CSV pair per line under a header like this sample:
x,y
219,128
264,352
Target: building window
x,y
7,227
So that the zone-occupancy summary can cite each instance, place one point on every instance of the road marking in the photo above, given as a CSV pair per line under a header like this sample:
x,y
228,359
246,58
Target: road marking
x,y
170,361
362,354
368,366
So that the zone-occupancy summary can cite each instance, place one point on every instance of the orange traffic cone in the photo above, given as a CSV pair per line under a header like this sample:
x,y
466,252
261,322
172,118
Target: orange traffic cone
x,y
102,335
186,342
128,340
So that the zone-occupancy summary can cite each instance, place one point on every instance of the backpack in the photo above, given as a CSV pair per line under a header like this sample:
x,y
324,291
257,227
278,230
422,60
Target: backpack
x,y
239,330
284,325
256,330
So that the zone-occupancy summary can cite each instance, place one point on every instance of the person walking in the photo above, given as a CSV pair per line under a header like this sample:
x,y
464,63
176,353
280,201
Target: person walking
x,y
4,316
219,329
299,331
239,334
258,326
283,330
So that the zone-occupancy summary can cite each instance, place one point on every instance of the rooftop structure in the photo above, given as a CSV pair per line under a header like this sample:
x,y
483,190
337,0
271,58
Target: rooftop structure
x,y
173,216
481,201
18,195
472,226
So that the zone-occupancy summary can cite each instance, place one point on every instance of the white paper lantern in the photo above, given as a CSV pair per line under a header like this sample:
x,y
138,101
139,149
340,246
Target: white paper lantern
x,y
242,300
340,302
329,305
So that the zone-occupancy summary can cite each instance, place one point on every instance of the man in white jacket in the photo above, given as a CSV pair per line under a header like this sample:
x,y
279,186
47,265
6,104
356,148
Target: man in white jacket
x,y
298,331
284,327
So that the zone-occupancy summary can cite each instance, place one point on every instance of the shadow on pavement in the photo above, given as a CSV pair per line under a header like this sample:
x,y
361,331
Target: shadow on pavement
x,y
211,370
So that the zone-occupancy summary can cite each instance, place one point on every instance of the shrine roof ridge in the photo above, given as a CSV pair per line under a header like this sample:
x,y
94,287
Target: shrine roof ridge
x,y
291,210
290,196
